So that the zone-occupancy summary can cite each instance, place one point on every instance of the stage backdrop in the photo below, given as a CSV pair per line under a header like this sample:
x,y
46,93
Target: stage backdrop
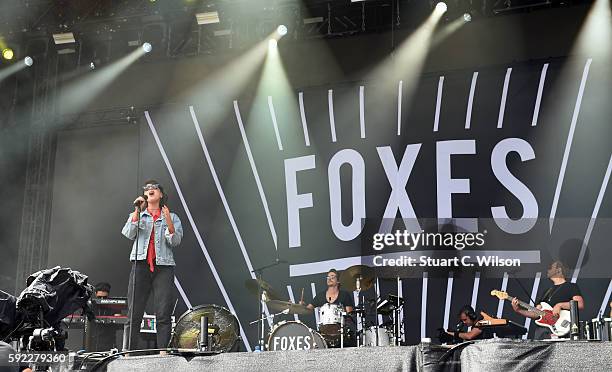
x,y
307,175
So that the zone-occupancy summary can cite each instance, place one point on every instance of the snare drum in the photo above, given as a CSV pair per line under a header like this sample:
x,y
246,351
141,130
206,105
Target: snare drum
x,y
330,320
330,314
294,335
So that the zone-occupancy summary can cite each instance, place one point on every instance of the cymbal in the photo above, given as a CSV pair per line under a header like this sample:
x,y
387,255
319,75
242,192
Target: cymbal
x,y
349,277
277,305
255,285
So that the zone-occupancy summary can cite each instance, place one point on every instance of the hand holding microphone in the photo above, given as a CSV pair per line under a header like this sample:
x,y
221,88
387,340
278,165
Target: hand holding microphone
x,y
139,201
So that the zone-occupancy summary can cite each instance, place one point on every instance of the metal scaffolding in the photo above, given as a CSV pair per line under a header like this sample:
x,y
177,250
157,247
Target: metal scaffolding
x,y
36,212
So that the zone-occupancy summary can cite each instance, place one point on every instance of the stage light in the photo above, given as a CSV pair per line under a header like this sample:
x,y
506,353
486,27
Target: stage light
x,y
441,7
147,47
308,21
207,18
282,30
272,44
467,17
7,53
64,38
28,61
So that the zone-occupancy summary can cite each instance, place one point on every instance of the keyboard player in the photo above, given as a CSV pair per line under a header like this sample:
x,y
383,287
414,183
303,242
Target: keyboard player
x,y
103,336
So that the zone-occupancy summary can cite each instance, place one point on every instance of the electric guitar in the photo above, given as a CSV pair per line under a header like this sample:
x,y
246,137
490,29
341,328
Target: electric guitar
x,y
558,325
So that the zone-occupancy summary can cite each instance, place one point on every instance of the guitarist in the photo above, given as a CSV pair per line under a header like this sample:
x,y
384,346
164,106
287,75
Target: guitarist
x,y
558,296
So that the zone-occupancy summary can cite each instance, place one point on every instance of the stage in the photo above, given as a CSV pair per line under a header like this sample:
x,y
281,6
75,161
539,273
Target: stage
x,y
227,174
488,355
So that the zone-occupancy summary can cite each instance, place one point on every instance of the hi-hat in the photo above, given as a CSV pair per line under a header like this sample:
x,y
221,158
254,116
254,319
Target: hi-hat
x,y
349,277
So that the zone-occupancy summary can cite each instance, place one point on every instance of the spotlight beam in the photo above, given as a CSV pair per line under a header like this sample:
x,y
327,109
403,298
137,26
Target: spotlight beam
x,y
76,96
12,69
268,127
592,44
222,85
596,33
406,64
447,30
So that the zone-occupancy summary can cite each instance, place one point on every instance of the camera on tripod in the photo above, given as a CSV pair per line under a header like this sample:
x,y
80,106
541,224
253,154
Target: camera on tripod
x,y
34,318
47,339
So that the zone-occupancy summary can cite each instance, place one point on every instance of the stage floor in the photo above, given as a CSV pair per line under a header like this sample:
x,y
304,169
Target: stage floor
x,y
488,355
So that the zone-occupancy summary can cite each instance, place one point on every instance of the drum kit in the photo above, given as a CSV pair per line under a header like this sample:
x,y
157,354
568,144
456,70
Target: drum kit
x,y
336,327
597,329
213,328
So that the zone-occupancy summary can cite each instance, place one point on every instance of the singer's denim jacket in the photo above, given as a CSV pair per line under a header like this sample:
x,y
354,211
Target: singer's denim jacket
x,y
164,241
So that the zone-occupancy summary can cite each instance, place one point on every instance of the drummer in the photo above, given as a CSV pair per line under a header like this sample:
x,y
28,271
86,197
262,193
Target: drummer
x,y
333,294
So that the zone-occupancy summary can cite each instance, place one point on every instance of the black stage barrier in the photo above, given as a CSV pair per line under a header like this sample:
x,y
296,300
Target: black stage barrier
x,y
494,355
351,359
489,355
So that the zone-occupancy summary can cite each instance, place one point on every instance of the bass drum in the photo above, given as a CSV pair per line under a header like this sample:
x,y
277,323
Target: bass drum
x,y
225,325
294,335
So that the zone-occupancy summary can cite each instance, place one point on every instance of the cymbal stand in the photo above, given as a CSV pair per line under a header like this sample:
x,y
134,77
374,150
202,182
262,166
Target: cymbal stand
x,y
377,293
266,317
343,314
359,317
263,297
396,315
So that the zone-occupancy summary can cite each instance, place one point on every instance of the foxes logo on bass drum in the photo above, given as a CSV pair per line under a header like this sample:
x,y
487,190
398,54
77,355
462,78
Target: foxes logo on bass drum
x,y
294,335
291,343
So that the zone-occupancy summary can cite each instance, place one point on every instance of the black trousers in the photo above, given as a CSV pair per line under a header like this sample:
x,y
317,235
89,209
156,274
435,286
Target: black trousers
x,y
142,284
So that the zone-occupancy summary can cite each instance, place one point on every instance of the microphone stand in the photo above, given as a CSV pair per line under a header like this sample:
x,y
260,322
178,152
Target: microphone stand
x,y
131,321
358,317
262,295
173,323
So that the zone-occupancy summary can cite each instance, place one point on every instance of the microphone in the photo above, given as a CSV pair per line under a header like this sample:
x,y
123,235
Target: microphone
x,y
137,202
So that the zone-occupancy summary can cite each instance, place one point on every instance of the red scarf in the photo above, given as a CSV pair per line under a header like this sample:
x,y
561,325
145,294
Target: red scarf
x,y
151,248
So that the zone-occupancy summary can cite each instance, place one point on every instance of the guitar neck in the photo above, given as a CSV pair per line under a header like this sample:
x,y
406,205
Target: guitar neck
x,y
526,306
